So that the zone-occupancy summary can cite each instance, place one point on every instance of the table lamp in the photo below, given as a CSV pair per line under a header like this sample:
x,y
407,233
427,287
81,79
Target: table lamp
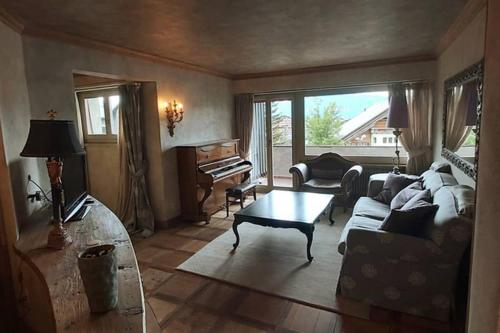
x,y
397,118
54,139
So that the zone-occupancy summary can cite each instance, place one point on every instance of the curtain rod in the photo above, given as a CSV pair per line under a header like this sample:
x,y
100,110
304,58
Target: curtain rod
x,y
347,86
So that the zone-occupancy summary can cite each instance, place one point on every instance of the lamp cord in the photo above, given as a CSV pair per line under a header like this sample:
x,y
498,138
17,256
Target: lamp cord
x,y
41,190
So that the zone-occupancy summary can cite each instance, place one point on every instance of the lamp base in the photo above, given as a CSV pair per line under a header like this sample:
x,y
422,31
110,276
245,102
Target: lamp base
x,y
58,237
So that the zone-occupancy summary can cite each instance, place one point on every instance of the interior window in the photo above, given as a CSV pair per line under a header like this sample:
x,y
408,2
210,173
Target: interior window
x,y
99,110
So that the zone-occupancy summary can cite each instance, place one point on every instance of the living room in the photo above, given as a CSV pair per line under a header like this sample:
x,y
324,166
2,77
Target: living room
x,y
247,89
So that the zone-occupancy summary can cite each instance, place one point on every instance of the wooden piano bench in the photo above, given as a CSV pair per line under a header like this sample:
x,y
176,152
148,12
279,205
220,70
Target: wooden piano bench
x,y
239,192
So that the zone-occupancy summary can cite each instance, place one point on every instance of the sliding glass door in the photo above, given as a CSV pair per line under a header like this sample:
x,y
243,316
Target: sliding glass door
x,y
281,146
271,145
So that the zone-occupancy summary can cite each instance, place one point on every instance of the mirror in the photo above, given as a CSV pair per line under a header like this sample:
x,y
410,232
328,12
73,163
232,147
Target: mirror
x,y
462,115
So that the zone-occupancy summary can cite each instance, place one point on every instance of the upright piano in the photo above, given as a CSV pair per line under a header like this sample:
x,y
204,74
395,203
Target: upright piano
x,y
205,171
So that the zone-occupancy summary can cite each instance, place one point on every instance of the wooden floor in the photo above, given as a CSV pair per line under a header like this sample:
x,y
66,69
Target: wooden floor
x,y
182,302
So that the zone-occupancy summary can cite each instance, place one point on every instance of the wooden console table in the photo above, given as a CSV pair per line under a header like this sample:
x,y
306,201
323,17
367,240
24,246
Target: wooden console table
x,y
54,297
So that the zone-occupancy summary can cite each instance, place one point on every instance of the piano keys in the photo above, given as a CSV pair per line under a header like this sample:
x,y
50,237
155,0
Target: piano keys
x,y
205,171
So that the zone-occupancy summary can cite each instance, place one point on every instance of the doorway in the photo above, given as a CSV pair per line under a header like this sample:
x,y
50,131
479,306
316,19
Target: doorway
x,y
271,144
98,110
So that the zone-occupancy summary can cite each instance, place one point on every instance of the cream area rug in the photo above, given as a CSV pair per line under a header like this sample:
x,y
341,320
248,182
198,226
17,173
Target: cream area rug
x,y
274,261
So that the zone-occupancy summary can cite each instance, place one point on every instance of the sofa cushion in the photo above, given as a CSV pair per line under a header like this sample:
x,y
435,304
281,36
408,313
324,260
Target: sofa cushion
x,y
393,185
440,167
369,207
406,194
465,201
357,222
319,183
449,230
326,173
433,180
411,219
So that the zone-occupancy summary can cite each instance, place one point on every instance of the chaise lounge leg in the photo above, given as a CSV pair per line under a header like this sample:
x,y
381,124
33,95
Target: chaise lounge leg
x,y
330,217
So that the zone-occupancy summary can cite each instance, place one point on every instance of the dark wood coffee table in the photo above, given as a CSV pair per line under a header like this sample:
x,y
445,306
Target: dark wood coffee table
x,y
286,209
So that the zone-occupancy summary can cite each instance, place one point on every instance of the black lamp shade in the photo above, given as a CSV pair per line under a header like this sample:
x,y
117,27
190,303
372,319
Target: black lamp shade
x,y
52,138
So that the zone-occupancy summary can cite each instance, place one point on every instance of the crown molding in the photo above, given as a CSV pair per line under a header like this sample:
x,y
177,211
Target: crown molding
x,y
11,21
468,13
43,33
329,68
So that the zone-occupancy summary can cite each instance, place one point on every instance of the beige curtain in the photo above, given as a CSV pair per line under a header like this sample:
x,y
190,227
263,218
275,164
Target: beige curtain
x,y
125,200
416,139
244,117
458,103
134,208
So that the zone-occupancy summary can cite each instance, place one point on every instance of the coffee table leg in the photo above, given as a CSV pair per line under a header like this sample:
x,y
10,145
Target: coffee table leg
x,y
235,230
309,235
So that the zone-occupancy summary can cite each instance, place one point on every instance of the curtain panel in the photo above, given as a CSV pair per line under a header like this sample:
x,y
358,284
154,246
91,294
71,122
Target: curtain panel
x,y
416,139
134,207
459,101
243,105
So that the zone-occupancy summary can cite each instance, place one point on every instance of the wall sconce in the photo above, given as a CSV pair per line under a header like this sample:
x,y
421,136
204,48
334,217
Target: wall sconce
x,y
175,113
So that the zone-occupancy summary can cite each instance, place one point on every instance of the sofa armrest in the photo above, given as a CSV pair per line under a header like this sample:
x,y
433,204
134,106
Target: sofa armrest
x,y
302,172
392,246
376,184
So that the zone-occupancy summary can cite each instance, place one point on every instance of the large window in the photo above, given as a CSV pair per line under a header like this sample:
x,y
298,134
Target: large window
x,y
294,126
99,112
350,123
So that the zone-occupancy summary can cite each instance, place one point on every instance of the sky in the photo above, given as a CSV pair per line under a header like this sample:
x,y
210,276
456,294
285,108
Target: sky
x,y
350,105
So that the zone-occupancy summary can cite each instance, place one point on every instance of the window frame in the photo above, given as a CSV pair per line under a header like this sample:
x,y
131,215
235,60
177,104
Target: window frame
x,y
109,137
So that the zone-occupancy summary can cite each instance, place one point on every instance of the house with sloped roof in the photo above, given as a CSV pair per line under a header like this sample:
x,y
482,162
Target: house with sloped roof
x,y
368,128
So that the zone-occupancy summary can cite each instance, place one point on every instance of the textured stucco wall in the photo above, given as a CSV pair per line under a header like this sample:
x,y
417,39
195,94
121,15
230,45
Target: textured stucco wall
x,y
466,50
14,119
484,304
207,99
339,78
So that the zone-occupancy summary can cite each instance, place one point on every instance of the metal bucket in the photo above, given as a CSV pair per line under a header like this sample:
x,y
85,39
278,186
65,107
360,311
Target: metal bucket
x,y
98,269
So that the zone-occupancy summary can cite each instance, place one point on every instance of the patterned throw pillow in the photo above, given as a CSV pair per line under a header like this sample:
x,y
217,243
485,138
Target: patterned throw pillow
x,y
393,185
406,194
411,219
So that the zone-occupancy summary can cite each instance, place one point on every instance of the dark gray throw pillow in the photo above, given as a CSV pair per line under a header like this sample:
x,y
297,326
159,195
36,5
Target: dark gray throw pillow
x,y
424,196
406,194
411,221
393,185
